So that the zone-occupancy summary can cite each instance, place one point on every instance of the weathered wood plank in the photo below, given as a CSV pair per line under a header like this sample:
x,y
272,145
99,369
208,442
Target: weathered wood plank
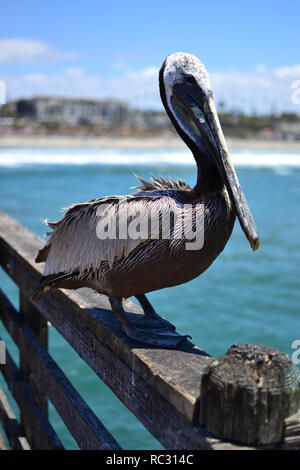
x,y
3,445
162,420
83,424
39,325
14,432
175,374
39,431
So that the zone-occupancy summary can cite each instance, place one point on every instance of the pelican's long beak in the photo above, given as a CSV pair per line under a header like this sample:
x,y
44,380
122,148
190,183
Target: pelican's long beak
x,y
200,110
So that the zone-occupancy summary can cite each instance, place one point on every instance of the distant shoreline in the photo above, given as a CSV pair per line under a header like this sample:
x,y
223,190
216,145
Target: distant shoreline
x,y
155,142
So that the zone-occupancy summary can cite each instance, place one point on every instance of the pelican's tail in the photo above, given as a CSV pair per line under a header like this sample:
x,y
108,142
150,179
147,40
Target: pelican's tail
x,y
42,254
49,281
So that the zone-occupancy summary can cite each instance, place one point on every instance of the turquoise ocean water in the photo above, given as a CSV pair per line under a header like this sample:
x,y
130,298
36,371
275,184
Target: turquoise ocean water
x,y
243,297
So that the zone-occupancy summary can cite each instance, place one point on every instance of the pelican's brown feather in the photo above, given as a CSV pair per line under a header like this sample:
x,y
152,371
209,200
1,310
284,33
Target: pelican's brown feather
x,y
86,236
161,184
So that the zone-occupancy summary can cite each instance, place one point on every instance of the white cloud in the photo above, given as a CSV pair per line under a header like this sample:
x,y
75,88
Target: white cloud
x,y
139,88
71,82
21,51
292,71
261,89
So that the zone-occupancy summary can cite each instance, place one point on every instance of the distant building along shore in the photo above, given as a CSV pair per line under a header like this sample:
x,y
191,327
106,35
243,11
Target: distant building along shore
x,y
111,117
73,112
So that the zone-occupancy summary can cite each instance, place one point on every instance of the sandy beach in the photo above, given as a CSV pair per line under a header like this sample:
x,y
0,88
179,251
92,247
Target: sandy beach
x,y
168,142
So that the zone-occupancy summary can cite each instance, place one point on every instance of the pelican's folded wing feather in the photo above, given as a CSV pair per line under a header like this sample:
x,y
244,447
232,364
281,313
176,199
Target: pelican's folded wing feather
x,y
106,229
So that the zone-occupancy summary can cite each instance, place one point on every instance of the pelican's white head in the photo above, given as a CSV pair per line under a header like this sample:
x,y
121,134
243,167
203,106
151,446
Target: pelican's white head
x,y
182,72
185,68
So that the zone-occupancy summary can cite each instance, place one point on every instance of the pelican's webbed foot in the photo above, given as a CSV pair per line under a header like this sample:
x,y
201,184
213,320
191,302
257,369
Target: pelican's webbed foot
x,y
157,337
149,328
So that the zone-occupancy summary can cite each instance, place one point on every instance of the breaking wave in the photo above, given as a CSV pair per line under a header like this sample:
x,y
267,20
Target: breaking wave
x,y
31,156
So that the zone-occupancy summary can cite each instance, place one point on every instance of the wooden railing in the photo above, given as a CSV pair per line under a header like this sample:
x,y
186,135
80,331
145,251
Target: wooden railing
x,y
167,390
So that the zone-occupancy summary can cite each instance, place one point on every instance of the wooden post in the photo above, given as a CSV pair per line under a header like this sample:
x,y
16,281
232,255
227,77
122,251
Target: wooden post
x,y
247,394
39,325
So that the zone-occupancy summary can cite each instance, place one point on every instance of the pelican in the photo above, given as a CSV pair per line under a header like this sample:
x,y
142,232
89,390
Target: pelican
x,y
84,248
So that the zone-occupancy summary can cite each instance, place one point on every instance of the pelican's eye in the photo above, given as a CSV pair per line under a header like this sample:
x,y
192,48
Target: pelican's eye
x,y
190,80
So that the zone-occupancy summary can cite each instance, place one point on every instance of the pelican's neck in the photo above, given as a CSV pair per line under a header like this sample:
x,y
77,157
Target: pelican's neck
x,y
208,176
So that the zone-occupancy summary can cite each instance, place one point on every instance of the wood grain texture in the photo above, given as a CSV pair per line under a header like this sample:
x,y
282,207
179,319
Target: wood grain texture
x,y
38,324
83,424
248,393
14,432
292,430
39,432
3,445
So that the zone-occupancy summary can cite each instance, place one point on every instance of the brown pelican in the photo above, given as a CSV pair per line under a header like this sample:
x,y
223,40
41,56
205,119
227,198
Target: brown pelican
x,y
78,255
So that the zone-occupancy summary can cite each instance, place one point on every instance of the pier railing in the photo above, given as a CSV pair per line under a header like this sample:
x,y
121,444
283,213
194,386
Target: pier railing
x,y
249,398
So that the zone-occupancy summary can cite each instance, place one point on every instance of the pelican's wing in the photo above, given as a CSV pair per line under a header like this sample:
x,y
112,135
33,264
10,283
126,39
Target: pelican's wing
x,y
107,229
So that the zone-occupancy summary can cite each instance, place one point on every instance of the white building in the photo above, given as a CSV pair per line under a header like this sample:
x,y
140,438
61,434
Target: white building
x,y
74,111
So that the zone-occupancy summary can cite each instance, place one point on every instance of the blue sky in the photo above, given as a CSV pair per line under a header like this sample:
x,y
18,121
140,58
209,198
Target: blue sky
x,y
99,49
